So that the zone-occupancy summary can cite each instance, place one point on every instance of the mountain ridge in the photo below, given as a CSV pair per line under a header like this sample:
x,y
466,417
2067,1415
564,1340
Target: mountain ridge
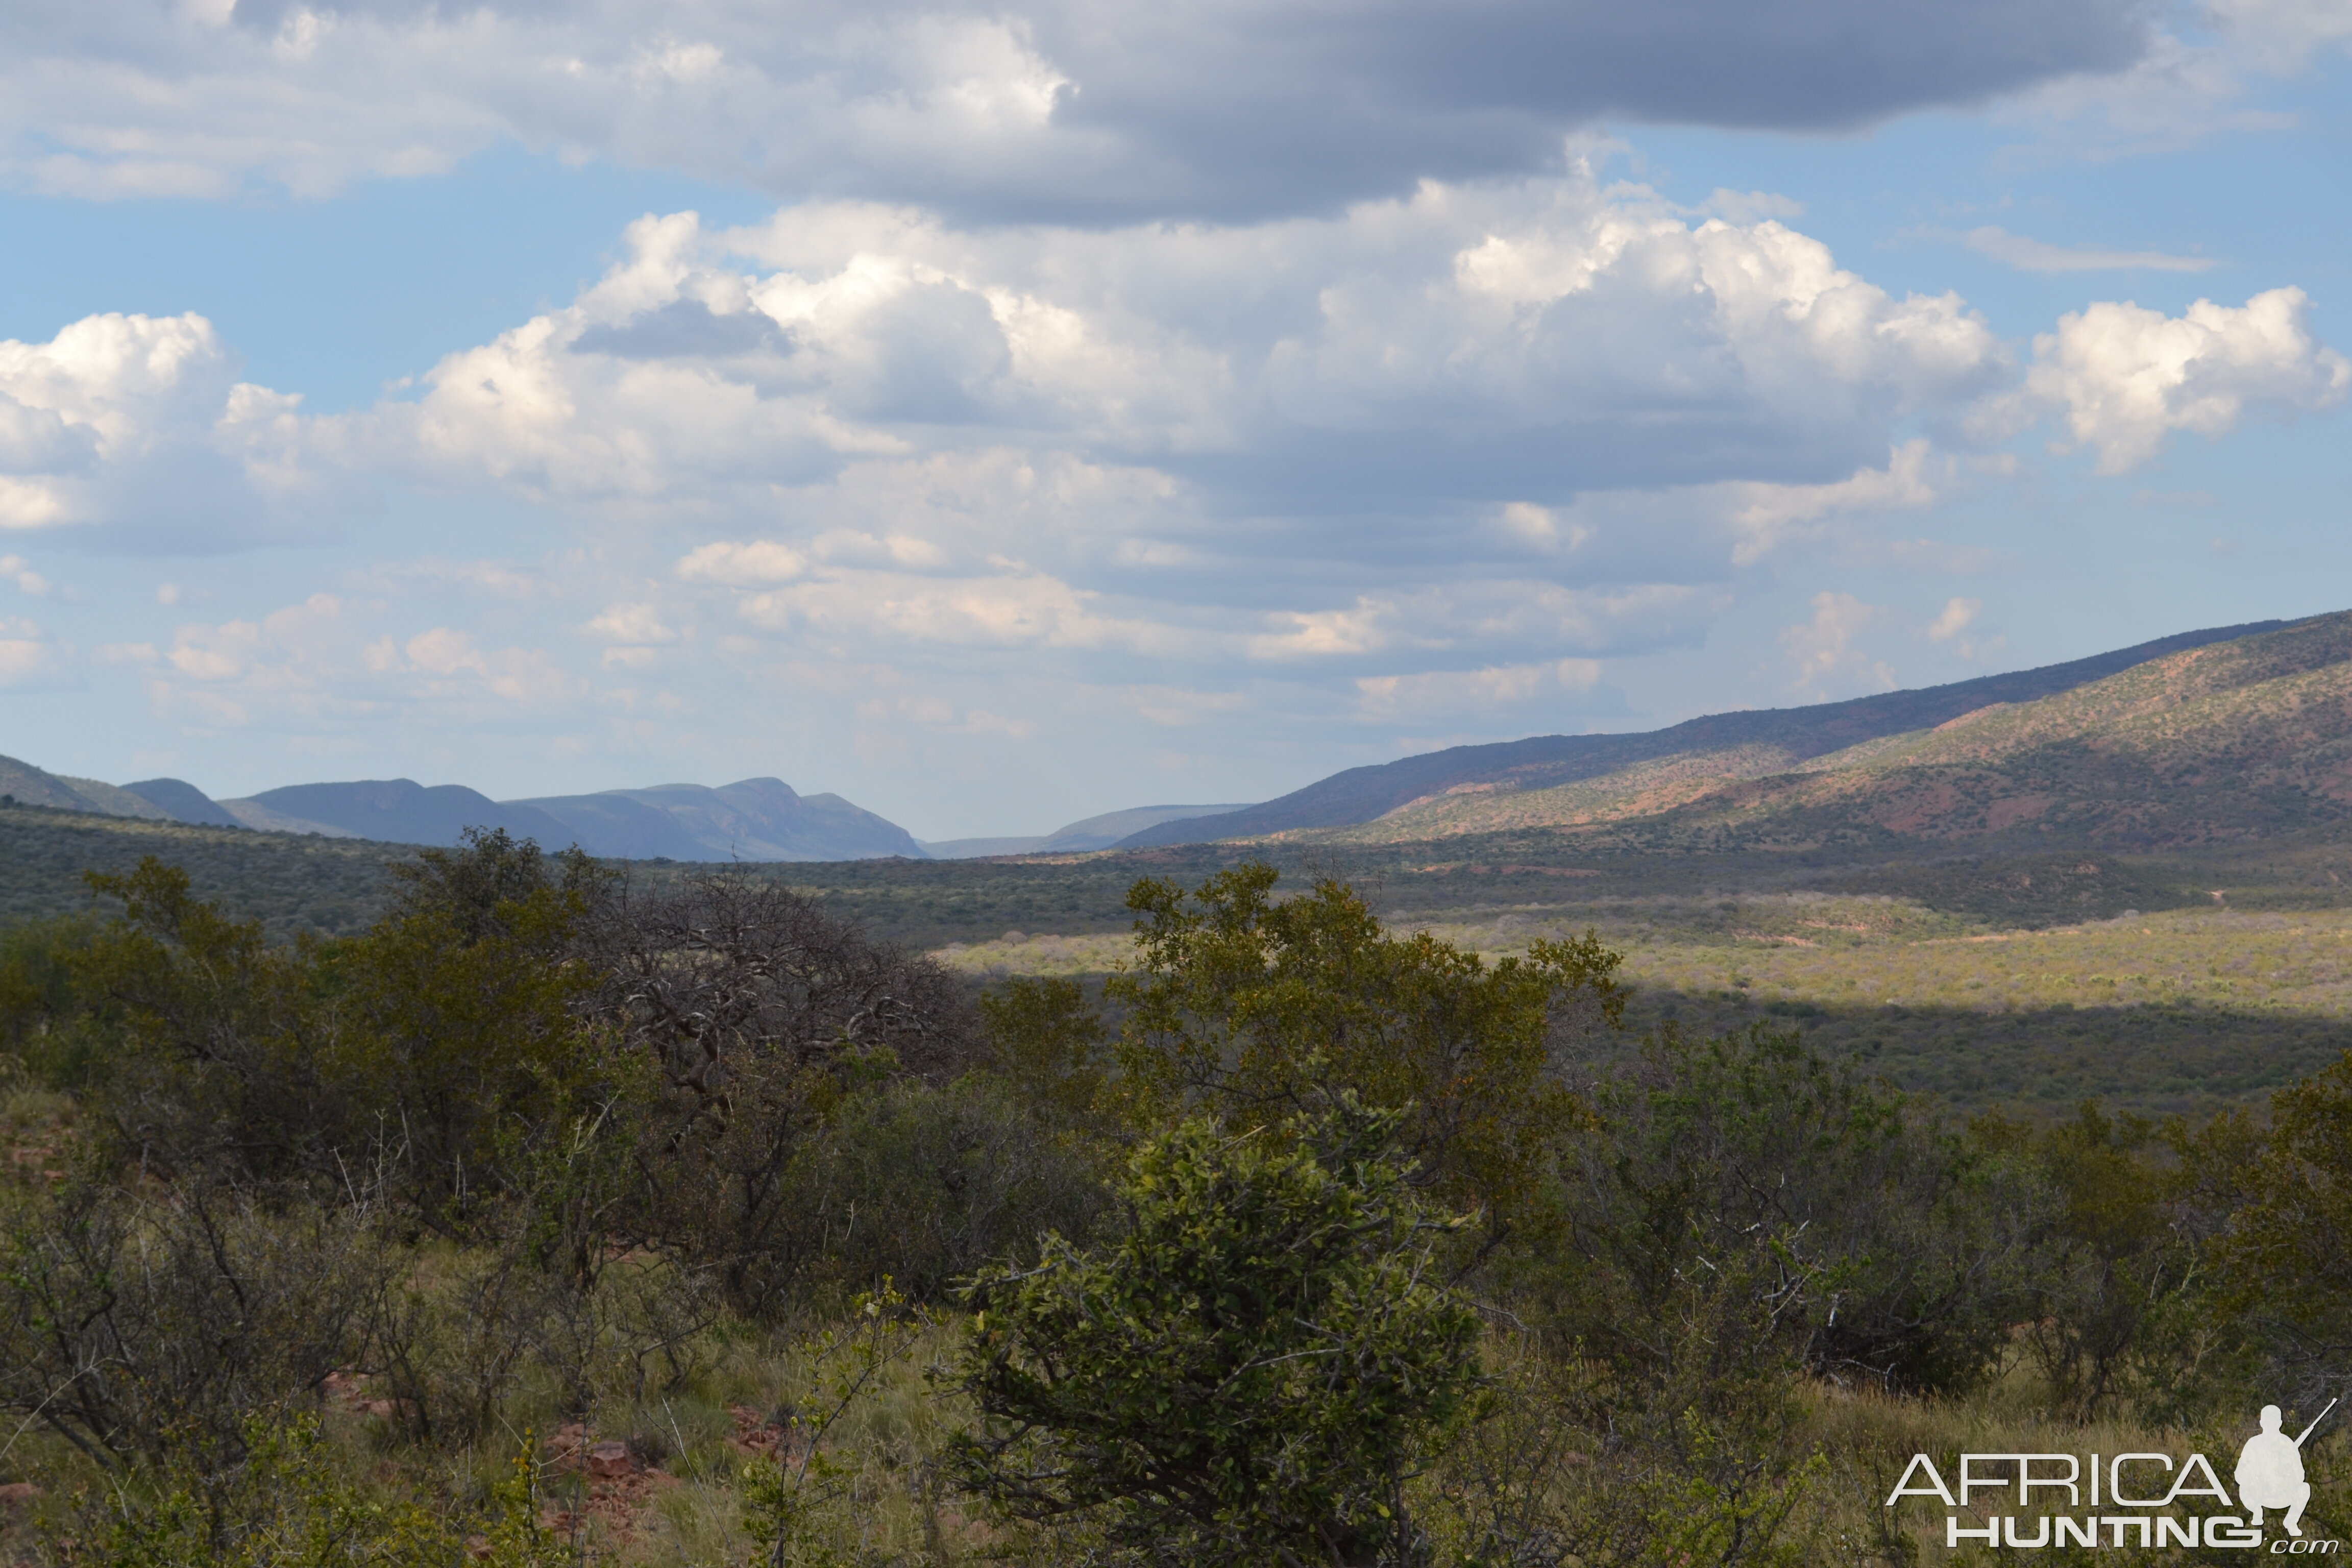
x,y
751,820
756,820
2223,743
2199,737
1749,743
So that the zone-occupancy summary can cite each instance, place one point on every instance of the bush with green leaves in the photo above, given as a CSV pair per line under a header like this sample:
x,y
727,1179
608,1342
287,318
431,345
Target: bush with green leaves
x,y
2125,1311
1807,1216
923,1184
1251,1007
1250,1372
44,1022
1048,1042
438,1048
2272,1209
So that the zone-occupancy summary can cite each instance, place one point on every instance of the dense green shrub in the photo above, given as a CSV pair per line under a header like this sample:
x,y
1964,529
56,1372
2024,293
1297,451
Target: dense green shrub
x,y
922,1185
220,1038
1251,1008
1814,1218
2277,1205
1249,1373
44,1021
1047,1043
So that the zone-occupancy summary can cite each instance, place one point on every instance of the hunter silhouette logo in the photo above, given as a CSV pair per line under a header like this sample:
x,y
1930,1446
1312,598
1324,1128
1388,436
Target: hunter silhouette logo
x,y
2270,1471
2148,1492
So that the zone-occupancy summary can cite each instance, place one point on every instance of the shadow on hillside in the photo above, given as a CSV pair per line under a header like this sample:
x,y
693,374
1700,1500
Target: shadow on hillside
x,y
2155,1060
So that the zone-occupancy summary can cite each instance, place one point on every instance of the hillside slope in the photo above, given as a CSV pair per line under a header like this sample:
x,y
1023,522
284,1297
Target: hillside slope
x,y
1748,744
151,800
22,783
182,801
329,886
2226,742
752,819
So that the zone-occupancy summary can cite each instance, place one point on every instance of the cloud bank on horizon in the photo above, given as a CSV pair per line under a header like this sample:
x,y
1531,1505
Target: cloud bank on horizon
x,y
1167,385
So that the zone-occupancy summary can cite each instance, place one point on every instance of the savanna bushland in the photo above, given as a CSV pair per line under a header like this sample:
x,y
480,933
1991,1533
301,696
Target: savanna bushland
x,y
555,1215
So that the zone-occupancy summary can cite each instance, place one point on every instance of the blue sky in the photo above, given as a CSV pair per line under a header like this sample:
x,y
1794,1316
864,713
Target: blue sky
x,y
999,416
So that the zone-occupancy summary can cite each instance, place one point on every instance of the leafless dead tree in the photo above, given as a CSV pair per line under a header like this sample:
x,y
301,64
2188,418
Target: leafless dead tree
x,y
759,1008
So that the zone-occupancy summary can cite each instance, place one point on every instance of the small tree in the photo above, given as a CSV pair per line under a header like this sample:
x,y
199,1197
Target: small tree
x,y
1248,1375
1247,1005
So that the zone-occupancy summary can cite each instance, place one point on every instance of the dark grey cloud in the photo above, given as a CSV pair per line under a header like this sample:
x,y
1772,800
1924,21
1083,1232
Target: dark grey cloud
x,y
685,329
1065,111
1245,110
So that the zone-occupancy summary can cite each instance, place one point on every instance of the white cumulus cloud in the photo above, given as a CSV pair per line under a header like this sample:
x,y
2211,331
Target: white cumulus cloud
x,y
2125,378
2030,255
138,425
28,581
754,561
1305,442
330,658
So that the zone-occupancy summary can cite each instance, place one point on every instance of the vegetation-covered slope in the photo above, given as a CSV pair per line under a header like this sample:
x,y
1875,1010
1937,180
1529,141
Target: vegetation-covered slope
x,y
2230,742
1721,746
290,883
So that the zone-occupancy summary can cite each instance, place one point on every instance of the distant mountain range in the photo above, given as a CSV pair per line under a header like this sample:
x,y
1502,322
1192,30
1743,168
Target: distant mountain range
x,y
1751,744
1093,832
2228,736
754,819
2233,733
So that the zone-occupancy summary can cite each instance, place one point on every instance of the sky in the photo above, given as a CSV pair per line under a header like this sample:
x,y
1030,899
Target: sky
x,y
1001,415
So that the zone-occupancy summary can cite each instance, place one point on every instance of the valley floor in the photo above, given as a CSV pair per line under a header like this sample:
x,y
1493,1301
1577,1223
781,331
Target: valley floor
x,y
2176,1011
